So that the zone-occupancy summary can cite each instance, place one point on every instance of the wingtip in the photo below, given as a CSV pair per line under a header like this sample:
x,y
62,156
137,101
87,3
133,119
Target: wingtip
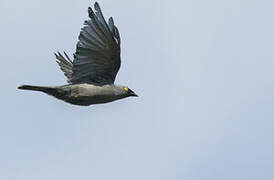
x,y
90,12
96,4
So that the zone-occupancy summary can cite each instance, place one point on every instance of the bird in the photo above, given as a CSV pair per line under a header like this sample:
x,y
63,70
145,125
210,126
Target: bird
x,y
96,62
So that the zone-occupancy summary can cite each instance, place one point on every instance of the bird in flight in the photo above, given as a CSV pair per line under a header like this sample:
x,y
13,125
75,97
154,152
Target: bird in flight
x,y
92,72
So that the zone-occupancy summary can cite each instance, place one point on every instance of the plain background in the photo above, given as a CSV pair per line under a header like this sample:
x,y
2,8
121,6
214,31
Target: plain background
x,y
203,71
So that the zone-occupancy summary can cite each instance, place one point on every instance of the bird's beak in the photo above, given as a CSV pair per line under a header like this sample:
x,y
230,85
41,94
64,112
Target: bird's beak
x,y
133,94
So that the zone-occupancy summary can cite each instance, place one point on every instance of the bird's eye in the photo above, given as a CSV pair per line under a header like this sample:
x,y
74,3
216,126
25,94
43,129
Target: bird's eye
x,y
126,88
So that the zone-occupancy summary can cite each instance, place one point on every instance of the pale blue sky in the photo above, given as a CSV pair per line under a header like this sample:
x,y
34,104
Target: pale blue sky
x,y
204,73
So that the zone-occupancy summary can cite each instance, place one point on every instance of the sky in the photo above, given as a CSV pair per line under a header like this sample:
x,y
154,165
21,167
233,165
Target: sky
x,y
203,71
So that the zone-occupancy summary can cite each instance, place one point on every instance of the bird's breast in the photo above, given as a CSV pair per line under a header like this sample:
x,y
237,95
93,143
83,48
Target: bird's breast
x,y
87,94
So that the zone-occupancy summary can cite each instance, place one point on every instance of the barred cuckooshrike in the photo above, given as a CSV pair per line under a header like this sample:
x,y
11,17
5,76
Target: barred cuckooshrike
x,y
96,62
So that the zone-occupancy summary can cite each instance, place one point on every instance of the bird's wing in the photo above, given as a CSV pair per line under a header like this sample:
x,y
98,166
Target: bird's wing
x,y
65,65
97,57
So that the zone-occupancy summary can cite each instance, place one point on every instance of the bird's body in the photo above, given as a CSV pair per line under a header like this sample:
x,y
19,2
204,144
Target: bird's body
x,y
82,94
92,72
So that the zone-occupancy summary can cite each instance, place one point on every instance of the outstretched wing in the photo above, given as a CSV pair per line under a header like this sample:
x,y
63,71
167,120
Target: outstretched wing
x,y
97,57
65,65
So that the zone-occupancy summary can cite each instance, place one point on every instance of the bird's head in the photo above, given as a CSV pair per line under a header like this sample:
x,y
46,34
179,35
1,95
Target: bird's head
x,y
125,91
129,92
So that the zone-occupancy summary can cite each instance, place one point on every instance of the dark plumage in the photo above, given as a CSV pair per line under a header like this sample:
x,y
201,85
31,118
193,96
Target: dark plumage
x,y
96,62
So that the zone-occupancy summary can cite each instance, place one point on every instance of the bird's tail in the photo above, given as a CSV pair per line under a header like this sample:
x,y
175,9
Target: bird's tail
x,y
35,88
